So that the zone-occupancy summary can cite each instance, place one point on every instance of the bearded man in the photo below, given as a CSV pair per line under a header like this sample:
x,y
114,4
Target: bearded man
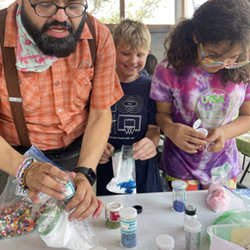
x,y
56,76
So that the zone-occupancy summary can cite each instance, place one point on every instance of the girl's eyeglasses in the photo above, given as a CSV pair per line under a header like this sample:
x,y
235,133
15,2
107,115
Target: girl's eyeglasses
x,y
214,64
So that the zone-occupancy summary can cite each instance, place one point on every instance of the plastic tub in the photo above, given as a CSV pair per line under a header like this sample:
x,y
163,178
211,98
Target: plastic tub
x,y
237,233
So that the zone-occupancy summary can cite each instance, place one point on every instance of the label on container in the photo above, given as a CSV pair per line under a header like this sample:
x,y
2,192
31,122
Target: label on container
x,y
128,227
112,211
114,216
70,191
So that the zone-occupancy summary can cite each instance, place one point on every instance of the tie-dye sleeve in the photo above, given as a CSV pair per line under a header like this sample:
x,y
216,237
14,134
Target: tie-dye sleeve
x,y
247,96
161,89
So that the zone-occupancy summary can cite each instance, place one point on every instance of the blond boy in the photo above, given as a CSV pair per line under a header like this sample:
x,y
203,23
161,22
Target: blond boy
x,y
133,115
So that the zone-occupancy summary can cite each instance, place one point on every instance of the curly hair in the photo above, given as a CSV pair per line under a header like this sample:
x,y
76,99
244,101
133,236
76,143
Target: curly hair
x,y
212,22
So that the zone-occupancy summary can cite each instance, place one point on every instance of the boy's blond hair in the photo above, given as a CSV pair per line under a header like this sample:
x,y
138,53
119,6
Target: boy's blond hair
x,y
134,34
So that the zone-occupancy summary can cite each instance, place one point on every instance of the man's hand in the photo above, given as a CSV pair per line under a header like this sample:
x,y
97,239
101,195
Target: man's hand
x,y
84,200
41,178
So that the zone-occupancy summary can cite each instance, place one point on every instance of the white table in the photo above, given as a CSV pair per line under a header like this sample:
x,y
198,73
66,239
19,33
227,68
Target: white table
x,y
157,218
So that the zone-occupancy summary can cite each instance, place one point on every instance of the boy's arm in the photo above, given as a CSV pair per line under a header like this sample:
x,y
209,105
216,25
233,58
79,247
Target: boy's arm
x,y
153,133
146,147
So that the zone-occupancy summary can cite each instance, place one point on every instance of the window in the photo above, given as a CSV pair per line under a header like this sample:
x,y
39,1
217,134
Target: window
x,y
191,6
151,12
155,13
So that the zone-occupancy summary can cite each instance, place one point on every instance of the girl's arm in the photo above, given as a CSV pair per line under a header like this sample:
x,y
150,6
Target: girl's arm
x,y
235,128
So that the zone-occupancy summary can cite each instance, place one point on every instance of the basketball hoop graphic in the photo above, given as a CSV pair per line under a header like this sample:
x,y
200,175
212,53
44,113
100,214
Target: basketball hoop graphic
x,y
129,126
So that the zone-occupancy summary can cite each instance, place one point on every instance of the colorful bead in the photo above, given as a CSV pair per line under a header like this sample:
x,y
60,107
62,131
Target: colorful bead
x,y
15,219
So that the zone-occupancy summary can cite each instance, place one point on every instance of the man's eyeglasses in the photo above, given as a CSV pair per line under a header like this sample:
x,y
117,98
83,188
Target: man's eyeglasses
x,y
48,9
214,64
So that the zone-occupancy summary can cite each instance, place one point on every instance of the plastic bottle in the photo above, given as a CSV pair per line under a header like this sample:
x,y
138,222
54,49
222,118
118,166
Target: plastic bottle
x,y
164,242
112,214
179,195
193,234
190,212
70,189
128,227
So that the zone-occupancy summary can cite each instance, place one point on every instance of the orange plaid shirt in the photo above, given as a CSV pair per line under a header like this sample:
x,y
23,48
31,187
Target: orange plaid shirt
x,y
55,101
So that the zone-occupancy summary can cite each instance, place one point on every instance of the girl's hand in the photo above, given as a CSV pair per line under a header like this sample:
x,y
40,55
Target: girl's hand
x,y
106,154
144,149
216,139
187,138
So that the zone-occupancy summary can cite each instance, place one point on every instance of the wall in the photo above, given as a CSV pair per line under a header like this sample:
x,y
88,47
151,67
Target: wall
x,y
158,37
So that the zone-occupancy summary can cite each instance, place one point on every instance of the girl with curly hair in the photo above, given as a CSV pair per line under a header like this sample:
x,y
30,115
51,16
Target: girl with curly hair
x,y
205,77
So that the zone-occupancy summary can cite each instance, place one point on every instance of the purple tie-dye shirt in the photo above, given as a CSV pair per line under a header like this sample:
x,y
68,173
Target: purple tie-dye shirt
x,y
198,94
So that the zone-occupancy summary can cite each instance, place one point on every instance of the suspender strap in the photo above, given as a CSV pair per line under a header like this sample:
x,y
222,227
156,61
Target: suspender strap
x,y
92,42
11,77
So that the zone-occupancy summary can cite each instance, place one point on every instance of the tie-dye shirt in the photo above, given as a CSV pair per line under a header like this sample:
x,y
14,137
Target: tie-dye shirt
x,y
198,94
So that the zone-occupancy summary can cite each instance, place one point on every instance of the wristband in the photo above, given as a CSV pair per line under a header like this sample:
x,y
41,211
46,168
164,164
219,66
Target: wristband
x,y
21,170
33,164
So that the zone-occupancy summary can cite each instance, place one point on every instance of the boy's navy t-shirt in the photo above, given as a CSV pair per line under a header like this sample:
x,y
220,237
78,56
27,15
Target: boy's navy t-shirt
x,y
130,118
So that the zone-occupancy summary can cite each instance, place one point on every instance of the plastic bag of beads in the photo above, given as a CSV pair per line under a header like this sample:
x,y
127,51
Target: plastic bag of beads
x,y
124,171
57,231
16,214
217,197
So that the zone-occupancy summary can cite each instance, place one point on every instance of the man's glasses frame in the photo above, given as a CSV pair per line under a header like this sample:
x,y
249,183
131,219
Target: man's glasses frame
x,y
214,64
66,8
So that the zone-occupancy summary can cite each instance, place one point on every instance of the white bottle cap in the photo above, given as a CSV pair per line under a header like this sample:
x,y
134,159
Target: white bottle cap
x,y
179,185
196,126
164,242
202,130
192,226
128,213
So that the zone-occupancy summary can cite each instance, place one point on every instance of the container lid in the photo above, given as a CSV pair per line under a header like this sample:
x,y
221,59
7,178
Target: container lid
x,y
114,206
197,124
179,184
128,213
203,131
192,226
190,209
164,242
138,208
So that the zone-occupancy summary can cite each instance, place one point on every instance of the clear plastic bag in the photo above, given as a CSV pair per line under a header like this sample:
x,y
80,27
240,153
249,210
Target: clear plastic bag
x,y
217,197
124,180
17,216
56,230
35,153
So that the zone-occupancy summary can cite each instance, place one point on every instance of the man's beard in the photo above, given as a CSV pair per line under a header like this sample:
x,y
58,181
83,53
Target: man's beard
x,y
53,46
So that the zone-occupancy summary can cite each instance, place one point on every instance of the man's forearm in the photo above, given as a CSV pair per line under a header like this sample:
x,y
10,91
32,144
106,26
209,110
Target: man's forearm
x,y
10,159
95,138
